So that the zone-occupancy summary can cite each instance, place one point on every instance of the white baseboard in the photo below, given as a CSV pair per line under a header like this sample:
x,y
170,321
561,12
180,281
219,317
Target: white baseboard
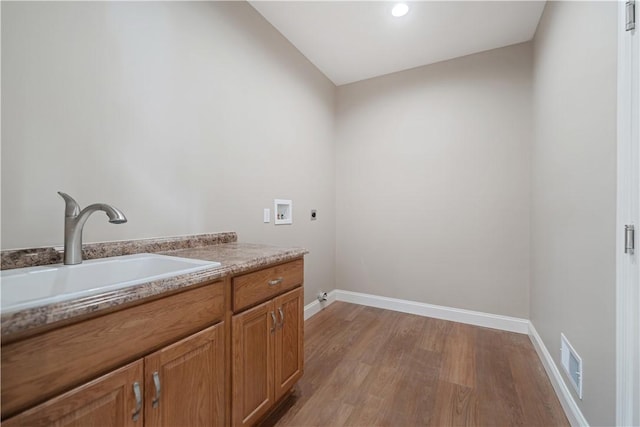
x,y
571,409
316,306
487,320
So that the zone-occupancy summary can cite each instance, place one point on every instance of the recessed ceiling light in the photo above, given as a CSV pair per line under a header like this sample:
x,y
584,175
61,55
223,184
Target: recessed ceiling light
x,y
400,9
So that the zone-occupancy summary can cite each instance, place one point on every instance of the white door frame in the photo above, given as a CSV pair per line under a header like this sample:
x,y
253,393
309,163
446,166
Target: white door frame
x,y
628,212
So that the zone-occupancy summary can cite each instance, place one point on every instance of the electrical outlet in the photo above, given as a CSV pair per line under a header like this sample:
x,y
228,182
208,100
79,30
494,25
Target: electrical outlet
x,y
267,215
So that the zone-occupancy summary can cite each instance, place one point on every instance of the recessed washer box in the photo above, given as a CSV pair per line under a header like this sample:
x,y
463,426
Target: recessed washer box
x,y
283,211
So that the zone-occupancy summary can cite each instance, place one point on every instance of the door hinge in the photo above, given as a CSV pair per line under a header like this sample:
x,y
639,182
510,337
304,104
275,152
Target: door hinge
x,y
630,9
629,239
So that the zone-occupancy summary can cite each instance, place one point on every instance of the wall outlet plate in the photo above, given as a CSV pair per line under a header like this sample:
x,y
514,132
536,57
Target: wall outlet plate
x,y
266,216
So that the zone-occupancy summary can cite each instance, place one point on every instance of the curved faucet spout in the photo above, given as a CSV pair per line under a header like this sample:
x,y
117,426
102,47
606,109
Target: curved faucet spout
x,y
74,221
115,215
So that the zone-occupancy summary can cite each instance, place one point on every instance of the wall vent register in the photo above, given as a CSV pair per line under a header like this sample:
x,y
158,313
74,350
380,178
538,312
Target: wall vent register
x,y
572,364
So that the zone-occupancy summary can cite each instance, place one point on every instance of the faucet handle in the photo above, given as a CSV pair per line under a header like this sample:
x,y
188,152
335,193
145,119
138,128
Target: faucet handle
x,y
72,209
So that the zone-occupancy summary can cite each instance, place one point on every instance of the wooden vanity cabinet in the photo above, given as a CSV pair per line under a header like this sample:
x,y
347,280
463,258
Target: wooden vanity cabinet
x,y
181,383
267,340
223,352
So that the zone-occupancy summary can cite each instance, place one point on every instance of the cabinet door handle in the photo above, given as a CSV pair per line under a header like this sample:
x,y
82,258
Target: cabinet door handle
x,y
273,318
275,281
136,392
156,382
281,316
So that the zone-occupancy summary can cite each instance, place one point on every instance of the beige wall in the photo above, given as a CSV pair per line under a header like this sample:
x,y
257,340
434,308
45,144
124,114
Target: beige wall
x,y
190,117
432,183
574,193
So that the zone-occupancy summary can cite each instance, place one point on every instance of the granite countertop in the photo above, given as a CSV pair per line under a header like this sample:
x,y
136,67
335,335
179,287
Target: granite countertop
x,y
234,257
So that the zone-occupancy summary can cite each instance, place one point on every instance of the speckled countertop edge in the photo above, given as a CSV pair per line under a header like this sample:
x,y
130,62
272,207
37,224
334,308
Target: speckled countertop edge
x,y
234,257
31,257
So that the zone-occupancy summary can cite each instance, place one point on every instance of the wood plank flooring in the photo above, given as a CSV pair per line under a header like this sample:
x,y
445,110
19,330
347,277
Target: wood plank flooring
x,y
370,367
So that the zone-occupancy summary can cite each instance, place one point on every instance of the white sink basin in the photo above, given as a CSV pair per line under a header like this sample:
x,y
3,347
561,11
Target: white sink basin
x,y
29,287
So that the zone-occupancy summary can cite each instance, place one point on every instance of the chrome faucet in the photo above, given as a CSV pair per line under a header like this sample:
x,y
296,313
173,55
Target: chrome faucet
x,y
74,220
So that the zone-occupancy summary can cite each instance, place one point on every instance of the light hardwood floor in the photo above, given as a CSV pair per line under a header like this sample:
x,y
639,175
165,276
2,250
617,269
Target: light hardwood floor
x,y
370,367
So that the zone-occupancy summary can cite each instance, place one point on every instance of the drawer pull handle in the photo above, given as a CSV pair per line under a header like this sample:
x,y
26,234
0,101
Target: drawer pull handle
x,y
273,318
275,282
136,392
156,382
281,316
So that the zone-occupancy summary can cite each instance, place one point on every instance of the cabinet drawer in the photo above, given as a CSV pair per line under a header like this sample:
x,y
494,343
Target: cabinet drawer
x,y
253,288
43,366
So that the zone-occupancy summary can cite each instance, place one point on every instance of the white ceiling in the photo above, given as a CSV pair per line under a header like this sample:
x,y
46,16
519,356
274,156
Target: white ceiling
x,y
356,40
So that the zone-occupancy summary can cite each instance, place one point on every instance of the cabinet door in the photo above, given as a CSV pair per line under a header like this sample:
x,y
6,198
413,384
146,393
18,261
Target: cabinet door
x,y
252,360
184,382
115,399
289,353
